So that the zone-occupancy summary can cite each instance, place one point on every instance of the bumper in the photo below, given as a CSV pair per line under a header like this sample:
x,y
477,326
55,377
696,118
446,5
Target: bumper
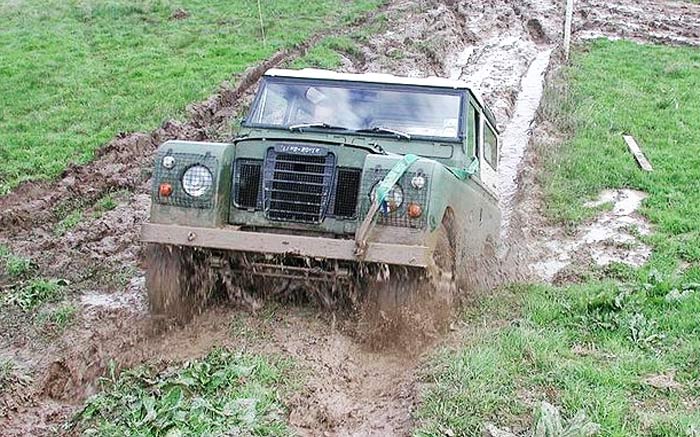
x,y
231,238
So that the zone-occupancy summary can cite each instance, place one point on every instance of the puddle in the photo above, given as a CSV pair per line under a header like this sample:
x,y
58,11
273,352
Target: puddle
x,y
517,134
611,237
132,298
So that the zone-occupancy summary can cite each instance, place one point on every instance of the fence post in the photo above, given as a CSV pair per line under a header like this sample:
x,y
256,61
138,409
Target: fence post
x,y
567,27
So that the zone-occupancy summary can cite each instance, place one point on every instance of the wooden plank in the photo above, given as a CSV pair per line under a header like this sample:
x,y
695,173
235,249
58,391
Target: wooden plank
x,y
638,154
567,26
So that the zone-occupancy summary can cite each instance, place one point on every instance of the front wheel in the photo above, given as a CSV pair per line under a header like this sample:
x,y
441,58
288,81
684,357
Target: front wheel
x,y
408,307
179,281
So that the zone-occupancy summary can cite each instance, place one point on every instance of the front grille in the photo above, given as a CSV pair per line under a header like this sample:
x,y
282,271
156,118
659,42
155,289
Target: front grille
x,y
297,186
247,183
346,192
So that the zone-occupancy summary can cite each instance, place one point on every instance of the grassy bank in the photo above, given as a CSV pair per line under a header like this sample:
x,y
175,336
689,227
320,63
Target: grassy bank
x,y
73,74
623,347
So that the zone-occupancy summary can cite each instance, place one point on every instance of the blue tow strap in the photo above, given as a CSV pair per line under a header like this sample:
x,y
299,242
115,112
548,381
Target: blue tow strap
x,y
383,188
393,176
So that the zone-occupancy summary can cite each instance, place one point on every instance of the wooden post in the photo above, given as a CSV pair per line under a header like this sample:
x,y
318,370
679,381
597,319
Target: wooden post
x,y
567,27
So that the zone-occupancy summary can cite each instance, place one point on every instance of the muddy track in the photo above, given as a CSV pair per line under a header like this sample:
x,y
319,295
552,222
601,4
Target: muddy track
x,y
502,48
660,22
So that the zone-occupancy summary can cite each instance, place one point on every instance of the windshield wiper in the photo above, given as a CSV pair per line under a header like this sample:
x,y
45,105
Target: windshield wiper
x,y
386,130
315,126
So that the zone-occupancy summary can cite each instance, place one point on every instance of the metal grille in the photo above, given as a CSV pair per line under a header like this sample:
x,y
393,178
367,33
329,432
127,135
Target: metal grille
x,y
173,176
297,187
346,191
399,217
247,183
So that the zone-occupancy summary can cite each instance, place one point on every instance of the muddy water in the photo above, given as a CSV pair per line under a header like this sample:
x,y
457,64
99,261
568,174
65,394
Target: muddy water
x,y
612,237
518,132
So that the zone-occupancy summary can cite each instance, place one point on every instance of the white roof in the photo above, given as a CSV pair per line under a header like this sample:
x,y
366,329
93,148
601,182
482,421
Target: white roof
x,y
315,73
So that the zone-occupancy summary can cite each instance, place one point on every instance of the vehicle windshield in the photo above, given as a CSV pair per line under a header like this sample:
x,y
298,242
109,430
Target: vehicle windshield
x,y
355,106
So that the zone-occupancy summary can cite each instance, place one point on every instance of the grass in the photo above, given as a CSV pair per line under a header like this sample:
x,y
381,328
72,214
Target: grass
x,y
74,74
622,347
56,320
17,266
33,293
68,223
224,393
106,203
327,53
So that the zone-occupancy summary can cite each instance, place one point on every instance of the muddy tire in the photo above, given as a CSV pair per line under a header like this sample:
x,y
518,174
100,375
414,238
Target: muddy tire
x,y
179,281
408,308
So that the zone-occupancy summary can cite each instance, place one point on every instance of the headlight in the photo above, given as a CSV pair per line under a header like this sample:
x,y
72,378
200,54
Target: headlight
x,y
197,180
393,199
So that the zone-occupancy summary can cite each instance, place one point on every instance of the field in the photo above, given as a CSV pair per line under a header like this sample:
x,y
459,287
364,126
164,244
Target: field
x,y
622,344
74,74
606,343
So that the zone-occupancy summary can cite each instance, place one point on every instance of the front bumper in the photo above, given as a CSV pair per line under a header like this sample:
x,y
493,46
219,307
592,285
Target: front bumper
x,y
232,238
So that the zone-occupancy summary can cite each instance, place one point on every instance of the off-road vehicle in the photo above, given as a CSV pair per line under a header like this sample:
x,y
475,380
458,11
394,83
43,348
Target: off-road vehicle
x,y
336,179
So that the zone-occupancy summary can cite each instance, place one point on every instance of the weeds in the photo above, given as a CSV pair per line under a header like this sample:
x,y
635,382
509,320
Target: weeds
x,y
35,292
11,378
57,320
18,266
107,203
222,394
68,223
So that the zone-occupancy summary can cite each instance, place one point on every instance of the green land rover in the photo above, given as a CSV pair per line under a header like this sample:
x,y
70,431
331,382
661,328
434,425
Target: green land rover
x,y
338,180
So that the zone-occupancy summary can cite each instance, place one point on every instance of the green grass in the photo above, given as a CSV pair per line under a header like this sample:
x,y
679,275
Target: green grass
x,y
75,73
326,54
592,347
68,223
15,265
31,294
56,320
224,393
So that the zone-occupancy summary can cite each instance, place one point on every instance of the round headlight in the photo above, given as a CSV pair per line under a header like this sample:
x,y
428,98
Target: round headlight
x,y
393,199
197,180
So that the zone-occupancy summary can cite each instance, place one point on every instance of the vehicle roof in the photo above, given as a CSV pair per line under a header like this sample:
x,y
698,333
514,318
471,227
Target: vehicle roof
x,y
432,81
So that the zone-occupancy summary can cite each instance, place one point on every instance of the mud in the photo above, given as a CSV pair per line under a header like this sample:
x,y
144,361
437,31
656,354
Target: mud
x,y
516,136
500,47
612,237
644,21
